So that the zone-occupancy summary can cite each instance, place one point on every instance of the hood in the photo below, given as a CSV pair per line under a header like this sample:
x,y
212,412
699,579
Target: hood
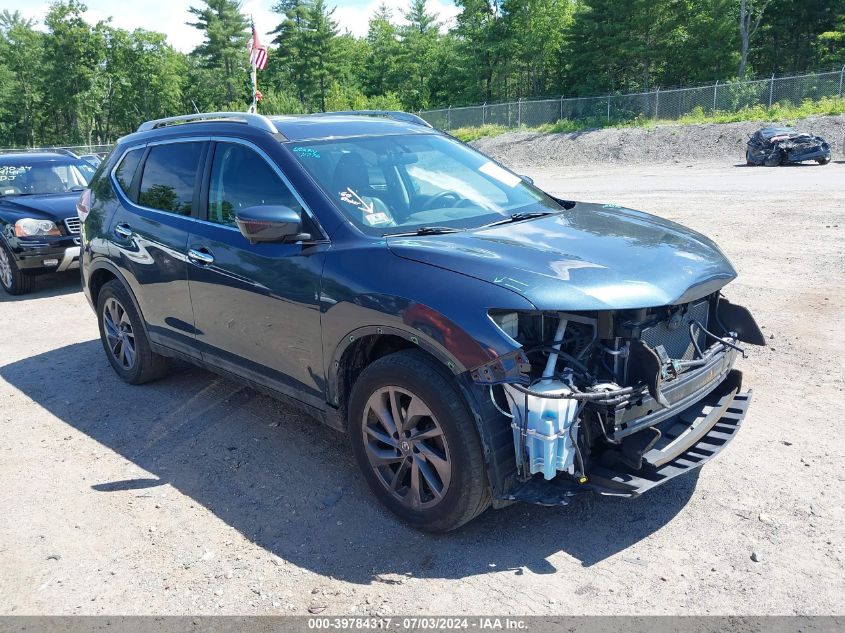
x,y
54,206
591,257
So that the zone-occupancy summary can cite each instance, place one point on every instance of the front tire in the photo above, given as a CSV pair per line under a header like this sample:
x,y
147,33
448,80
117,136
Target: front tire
x,y
415,442
13,280
823,161
124,338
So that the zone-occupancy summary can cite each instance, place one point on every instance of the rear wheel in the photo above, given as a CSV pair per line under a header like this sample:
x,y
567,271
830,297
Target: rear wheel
x,y
415,441
12,278
823,161
124,338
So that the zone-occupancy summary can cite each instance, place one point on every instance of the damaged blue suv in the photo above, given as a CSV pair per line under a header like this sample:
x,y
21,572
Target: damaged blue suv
x,y
479,341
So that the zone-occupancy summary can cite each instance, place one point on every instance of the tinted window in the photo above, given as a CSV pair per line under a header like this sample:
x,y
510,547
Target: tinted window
x,y
126,170
240,178
170,172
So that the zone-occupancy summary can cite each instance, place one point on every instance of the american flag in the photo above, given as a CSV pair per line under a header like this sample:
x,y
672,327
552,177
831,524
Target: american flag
x,y
257,51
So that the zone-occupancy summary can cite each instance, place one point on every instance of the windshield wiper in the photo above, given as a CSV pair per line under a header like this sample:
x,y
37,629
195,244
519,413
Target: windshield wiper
x,y
426,230
518,217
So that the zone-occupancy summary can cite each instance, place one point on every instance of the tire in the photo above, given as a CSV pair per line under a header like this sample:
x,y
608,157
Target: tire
x,y
12,279
822,161
124,338
445,429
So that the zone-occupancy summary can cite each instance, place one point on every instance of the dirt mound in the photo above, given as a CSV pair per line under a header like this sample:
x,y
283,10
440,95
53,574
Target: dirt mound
x,y
707,143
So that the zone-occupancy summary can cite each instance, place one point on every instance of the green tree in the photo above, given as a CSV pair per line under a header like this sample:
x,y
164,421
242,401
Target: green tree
x,y
535,31
74,52
381,71
623,45
830,44
481,48
418,43
322,49
789,37
222,63
22,53
289,67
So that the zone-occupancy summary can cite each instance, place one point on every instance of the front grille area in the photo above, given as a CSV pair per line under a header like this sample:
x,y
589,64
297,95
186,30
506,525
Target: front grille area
x,y
677,342
73,225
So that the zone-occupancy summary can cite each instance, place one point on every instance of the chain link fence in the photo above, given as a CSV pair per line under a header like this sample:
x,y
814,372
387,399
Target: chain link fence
x,y
658,104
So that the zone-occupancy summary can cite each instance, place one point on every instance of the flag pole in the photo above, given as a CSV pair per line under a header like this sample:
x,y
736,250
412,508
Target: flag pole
x,y
254,107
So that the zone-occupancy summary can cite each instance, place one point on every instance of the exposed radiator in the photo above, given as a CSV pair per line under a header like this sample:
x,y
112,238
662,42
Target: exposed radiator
x,y
677,342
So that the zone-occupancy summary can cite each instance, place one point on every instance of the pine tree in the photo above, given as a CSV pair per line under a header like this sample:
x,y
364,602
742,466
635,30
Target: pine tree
x,y
223,53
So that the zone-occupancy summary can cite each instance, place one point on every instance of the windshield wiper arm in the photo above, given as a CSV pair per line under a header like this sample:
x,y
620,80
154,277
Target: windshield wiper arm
x,y
426,230
518,217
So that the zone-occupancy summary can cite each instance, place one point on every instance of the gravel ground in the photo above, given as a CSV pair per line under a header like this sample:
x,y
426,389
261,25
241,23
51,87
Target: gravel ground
x,y
662,144
193,495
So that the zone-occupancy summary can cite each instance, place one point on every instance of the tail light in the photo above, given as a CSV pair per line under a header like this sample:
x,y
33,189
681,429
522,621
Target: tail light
x,y
83,205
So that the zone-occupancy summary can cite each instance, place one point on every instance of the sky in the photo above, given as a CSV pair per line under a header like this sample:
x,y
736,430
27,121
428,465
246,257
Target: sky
x,y
170,16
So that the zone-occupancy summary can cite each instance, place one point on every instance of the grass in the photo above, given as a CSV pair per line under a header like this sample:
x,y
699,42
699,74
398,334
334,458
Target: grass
x,y
778,112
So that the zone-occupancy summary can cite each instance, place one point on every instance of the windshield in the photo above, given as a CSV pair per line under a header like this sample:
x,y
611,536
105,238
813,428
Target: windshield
x,y
22,176
399,184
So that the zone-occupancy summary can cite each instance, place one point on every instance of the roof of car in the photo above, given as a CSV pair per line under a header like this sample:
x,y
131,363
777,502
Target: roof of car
x,y
768,132
34,157
296,128
313,127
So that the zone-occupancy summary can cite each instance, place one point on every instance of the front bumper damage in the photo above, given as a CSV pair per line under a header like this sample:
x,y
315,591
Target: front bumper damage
x,y
690,440
649,429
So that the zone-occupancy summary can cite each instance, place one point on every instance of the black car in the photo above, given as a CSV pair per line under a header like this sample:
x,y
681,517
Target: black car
x,y
39,227
773,146
479,341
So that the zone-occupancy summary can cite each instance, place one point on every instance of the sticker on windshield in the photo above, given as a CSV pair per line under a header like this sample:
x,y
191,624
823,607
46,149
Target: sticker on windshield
x,y
306,152
376,219
350,197
502,175
12,172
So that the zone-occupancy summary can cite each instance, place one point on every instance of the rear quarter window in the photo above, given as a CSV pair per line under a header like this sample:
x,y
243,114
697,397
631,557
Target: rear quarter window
x,y
125,171
169,176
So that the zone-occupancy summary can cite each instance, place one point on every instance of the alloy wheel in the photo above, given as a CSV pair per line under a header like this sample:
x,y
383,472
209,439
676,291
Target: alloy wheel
x,y
406,447
119,334
5,269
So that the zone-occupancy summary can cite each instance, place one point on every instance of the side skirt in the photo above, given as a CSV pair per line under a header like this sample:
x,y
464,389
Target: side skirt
x,y
327,415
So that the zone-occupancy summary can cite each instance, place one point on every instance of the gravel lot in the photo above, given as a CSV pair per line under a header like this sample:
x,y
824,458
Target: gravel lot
x,y
194,495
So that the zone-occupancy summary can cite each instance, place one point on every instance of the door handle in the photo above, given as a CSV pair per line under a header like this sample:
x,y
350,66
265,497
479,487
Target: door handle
x,y
200,256
123,230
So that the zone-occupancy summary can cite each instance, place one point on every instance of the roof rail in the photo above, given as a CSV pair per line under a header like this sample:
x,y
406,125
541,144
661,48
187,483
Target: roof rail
x,y
397,115
253,120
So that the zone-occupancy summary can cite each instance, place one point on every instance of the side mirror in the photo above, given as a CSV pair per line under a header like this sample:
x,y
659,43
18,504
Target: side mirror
x,y
528,179
271,223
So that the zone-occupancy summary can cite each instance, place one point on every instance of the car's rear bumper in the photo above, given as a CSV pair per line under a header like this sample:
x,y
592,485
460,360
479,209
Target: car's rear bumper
x,y
688,441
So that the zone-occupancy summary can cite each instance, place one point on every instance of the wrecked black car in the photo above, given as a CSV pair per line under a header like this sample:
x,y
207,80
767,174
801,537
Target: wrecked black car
x,y
479,340
773,146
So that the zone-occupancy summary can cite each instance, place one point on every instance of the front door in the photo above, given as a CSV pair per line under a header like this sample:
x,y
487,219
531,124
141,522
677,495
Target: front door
x,y
255,305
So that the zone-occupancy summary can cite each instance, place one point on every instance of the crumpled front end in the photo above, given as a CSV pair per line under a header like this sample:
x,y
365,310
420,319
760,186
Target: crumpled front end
x,y
786,149
618,401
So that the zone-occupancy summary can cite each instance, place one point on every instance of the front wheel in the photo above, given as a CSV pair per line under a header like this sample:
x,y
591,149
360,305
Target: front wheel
x,y
416,443
823,161
12,278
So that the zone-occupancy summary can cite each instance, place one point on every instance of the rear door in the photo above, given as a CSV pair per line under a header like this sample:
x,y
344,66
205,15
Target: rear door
x,y
256,305
150,236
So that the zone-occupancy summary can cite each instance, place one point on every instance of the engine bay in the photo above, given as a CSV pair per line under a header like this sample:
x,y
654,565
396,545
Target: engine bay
x,y
597,388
